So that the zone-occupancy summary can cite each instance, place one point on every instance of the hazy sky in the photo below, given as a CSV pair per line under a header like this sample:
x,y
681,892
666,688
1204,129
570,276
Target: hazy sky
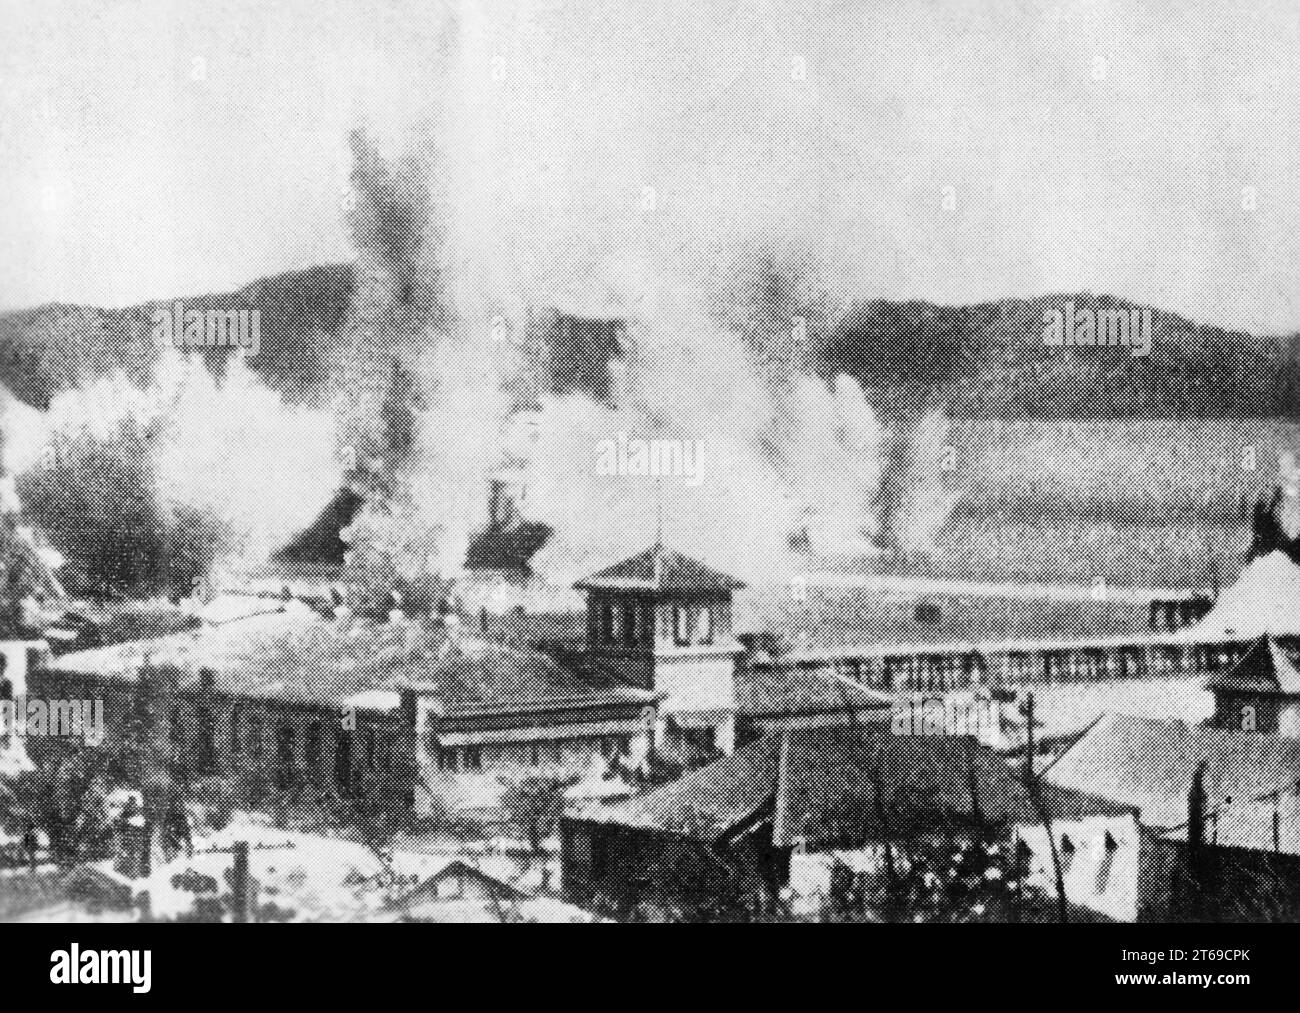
x,y
151,149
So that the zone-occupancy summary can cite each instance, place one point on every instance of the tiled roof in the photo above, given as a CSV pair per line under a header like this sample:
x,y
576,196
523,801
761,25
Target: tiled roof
x,y
838,784
1150,764
770,690
295,655
660,569
1266,668
708,802
481,676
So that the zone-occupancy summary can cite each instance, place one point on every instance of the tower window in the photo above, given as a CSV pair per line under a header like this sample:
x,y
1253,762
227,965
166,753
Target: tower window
x,y
681,626
705,625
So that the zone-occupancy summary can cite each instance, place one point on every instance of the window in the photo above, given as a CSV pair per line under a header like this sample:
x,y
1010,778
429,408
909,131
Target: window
x,y
6,693
581,852
534,755
1106,864
286,744
607,623
629,625
255,745
207,758
473,758
1023,857
681,626
312,746
704,626
448,759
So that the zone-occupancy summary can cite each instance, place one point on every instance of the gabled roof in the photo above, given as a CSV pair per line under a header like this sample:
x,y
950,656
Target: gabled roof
x,y
1266,668
1150,764
848,784
660,569
1265,598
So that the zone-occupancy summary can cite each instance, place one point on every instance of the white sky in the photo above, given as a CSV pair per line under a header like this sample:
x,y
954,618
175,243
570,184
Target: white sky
x,y
1090,146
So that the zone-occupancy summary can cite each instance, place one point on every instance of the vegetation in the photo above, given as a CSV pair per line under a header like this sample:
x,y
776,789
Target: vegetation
x,y
97,497
534,805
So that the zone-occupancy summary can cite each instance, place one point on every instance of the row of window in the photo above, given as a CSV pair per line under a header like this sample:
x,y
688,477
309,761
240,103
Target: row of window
x,y
471,759
247,737
632,625
941,671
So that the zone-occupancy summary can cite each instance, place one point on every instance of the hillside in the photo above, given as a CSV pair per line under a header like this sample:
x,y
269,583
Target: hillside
x,y
57,347
983,361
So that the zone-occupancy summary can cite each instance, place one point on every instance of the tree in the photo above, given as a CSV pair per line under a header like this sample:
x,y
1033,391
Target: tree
x,y
63,797
534,805
99,498
952,875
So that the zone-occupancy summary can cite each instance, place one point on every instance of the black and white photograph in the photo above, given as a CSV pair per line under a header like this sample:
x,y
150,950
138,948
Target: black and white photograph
x,y
595,462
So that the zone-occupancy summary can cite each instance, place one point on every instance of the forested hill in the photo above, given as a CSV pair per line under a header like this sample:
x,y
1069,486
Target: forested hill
x,y
985,360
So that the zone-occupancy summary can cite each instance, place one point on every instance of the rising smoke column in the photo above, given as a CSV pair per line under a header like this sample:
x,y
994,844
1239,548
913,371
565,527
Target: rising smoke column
x,y
441,360
419,382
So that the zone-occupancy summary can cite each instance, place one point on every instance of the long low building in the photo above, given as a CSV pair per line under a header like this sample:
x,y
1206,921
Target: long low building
x,y
331,702
1265,599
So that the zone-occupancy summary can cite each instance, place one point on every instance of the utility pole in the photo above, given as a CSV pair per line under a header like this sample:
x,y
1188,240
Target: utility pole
x,y
1040,808
239,888
1029,736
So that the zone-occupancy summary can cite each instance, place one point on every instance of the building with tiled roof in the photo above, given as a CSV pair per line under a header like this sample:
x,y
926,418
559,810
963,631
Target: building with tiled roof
x,y
1261,693
335,698
805,792
266,679
661,569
